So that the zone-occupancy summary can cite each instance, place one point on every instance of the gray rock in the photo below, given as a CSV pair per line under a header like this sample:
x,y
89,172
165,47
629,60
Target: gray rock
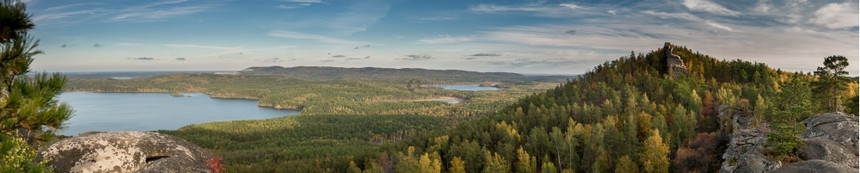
x,y
834,126
126,152
815,166
744,153
827,150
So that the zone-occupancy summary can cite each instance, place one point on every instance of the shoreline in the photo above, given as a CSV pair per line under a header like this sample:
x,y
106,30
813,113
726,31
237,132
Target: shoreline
x,y
272,106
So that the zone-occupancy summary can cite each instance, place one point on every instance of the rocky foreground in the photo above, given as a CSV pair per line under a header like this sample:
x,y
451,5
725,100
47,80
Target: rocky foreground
x,y
830,146
127,152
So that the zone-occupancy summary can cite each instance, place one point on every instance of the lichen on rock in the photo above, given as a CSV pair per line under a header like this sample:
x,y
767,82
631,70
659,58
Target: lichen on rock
x,y
126,152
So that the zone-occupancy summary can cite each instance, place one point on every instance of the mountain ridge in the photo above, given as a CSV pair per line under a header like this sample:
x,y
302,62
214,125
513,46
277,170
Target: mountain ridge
x,y
377,72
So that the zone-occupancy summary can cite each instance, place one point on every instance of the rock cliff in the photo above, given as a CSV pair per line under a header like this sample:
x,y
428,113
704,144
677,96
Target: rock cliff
x,y
126,152
745,152
674,63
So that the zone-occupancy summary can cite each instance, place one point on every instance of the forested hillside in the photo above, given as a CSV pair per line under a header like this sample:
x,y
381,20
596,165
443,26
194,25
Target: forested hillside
x,y
626,115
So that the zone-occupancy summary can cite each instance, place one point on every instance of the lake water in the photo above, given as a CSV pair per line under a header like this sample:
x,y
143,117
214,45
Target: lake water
x,y
467,87
154,111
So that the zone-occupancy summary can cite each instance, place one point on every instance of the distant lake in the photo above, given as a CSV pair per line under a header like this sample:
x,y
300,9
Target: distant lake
x,y
154,111
467,87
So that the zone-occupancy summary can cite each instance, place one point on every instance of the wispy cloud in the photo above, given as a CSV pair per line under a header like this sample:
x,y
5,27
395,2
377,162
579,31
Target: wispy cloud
x,y
720,26
203,47
485,54
53,15
708,6
293,4
305,36
665,15
143,58
146,14
445,39
417,57
359,16
837,15
540,9
117,12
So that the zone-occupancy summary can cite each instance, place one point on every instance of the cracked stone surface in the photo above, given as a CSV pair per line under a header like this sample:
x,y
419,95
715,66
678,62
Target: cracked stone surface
x,y
126,152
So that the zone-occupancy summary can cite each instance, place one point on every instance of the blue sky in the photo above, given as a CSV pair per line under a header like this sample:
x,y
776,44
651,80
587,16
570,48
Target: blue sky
x,y
546,37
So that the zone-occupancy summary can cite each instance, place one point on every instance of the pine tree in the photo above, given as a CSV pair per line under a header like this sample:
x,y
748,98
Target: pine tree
x,y
831,82
792,105
29,114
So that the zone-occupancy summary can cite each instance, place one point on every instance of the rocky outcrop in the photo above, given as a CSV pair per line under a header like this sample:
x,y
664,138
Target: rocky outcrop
x,y
745,150
827,150
838,127
126,152
674,63
815,166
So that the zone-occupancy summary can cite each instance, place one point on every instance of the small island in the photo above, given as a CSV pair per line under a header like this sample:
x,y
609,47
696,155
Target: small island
x,y
178,94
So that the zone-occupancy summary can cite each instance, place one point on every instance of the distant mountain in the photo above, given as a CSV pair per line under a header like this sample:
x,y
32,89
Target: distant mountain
x,y
383,73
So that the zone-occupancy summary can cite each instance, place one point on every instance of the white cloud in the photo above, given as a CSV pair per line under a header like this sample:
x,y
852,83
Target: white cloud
x,y
203,47
685,16
708,6
719,26
837,15
319,38
158,14
554,10
570,5
445,39
62,15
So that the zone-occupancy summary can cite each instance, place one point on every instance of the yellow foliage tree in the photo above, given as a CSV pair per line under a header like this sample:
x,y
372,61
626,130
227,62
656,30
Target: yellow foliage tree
x,y
655,156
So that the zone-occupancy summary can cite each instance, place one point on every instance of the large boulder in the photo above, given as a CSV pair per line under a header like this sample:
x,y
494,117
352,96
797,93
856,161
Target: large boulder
x,y
833,126
827,150
126,152
815,166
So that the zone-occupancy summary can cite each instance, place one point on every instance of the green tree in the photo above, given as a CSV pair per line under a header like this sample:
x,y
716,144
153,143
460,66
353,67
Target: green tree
x,y
626,165
547,166
29,113
830,80
793,104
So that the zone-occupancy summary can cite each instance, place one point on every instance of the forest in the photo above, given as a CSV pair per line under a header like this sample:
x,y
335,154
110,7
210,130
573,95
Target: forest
x,y
625,115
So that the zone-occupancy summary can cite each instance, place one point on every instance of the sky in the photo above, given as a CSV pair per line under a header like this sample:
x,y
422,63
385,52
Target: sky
x,y
532,37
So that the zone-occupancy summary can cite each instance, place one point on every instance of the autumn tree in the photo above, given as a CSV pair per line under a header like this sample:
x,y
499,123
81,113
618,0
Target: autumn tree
x,y
655,157
626,165
457,166
831,81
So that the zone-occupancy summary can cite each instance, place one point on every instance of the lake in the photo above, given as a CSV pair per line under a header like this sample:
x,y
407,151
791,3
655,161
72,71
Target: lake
x,y
467,87
154,111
